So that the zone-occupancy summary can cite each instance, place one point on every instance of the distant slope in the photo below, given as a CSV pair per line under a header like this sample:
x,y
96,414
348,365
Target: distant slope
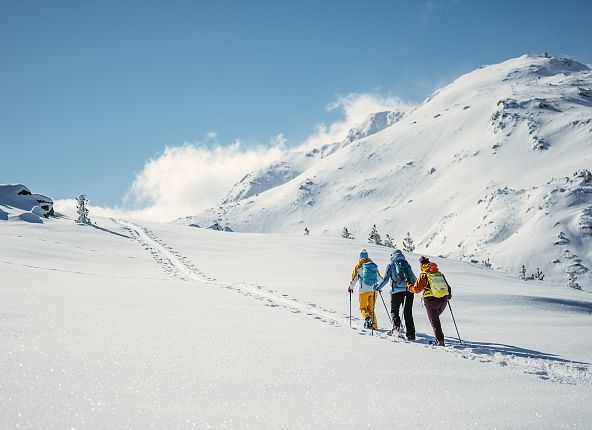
x,y
494,166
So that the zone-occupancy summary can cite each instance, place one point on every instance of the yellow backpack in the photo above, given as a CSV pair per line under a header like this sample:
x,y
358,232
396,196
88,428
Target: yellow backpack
x,y
438,284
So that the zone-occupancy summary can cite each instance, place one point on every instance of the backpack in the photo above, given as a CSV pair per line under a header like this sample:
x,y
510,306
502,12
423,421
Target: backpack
x,y
438,284
402,272
369,273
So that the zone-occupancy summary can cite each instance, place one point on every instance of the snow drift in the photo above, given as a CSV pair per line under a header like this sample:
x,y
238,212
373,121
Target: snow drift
x,y
17,202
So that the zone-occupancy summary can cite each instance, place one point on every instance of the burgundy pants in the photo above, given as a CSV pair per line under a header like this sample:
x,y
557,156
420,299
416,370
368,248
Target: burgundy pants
x,y
434,307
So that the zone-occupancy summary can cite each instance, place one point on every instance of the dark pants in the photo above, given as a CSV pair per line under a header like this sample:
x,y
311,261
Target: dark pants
x,y
397,300
434,307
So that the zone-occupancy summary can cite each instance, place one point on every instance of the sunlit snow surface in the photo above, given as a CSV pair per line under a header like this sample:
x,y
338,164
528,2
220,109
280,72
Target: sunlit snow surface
x,y
125,324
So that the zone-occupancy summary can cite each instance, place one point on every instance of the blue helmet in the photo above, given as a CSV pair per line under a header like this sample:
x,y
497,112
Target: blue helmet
x,y
363,254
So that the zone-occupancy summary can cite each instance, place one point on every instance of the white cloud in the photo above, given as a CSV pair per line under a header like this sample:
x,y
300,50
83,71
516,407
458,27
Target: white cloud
x,y
355,108
187,179
184,180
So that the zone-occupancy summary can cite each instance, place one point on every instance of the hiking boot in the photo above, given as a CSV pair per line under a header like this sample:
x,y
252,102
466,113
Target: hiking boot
x,y
411,338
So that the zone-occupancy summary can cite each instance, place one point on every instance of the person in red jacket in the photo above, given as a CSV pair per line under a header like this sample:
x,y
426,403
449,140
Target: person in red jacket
x,y
436,293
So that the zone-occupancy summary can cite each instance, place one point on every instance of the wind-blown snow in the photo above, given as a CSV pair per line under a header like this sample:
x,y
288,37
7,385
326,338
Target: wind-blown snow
x,y
495,166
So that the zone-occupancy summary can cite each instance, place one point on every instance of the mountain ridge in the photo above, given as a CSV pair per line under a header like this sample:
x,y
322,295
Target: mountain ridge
x,y
494,166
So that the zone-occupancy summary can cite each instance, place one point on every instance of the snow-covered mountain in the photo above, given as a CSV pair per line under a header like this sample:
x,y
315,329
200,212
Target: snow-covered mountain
x,y
496,165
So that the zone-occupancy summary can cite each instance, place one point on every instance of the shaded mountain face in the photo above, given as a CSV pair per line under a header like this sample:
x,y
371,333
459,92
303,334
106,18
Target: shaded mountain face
x,y
494,166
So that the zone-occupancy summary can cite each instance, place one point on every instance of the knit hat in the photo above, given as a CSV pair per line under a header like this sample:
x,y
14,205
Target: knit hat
x,y
363,254
423,260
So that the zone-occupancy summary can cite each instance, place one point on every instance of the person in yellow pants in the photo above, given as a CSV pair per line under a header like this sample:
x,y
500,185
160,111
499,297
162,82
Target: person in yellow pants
x,y
366,276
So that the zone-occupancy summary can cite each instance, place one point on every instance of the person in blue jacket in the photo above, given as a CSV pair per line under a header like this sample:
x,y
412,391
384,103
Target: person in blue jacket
x,y
398,271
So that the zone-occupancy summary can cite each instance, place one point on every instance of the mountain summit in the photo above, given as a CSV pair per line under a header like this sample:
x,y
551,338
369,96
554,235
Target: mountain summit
x,y
492,167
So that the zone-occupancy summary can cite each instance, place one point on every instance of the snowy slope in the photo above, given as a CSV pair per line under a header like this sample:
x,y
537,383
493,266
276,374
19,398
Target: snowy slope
x,y
128,325
494,166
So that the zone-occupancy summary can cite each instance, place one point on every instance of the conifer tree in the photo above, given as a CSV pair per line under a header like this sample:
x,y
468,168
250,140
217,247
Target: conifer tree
x,y
306,231
572,282
374,236
523,273
388,242
82,209
346,234
408,243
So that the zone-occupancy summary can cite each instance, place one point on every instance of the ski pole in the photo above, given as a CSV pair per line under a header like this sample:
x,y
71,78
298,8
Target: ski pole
x,y
385,308
350,294
455,326
403,326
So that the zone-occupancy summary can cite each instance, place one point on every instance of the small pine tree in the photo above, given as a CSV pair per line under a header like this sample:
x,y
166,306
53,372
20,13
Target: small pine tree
x,y
374,237
306,231
523,273
572,282
408,245
346,234
538,275
486,263
388,242
82,209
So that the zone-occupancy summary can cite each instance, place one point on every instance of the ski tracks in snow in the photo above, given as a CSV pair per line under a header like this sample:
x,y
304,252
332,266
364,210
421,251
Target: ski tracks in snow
x,y
178,266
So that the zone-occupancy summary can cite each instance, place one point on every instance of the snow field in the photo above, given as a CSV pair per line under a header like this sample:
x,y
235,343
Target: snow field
x,y
139,326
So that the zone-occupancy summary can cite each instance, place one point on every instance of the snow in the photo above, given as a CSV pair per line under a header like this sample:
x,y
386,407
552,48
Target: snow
x,y
125,324
122,323
492,166
17,202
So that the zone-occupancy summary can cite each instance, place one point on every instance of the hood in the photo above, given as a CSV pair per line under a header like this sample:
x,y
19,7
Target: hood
x,y
397,256
430,267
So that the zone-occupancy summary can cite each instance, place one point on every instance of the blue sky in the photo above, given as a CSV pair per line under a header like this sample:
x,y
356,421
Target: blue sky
x,y
89,91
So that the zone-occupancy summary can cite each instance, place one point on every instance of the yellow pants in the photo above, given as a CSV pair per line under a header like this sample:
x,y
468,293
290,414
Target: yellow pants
x,y
367,301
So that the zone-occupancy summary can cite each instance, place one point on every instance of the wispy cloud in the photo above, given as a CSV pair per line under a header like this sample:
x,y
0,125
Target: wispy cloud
x,y
187,179
427,10
354,108
184,180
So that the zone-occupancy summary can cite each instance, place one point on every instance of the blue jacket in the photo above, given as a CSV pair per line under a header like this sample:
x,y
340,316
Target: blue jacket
x,y
391,275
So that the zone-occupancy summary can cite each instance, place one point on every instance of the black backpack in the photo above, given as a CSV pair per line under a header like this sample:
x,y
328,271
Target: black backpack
x,y
403,268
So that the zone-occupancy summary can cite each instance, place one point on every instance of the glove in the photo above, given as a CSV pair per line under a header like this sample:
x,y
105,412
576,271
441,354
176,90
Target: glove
x,y
350,289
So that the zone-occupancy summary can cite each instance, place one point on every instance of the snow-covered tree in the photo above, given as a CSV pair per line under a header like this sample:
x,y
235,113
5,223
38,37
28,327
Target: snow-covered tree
x,y
346,234
408,243
523,273
572,282
538,275
388,242
82,209
374,237
306,231
486,263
